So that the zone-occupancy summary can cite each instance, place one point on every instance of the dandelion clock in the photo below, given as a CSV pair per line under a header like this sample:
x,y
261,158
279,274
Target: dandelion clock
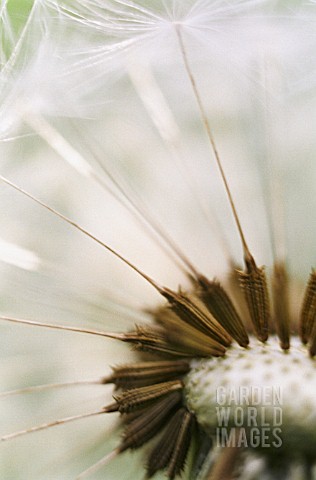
x,y
158,291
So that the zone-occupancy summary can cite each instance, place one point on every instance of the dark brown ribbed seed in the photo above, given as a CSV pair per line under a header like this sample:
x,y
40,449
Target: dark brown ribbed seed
x,y
182,444
180,333
176,339
308,311
154,340
192,311
172,448
233,285
254,285
281,313
139,397
147,373
149,421
312,347
221,307
161,454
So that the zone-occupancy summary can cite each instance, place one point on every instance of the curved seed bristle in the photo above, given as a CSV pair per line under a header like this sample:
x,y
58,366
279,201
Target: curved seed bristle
x,y
48,386
116,336
82,230
55,423
101,463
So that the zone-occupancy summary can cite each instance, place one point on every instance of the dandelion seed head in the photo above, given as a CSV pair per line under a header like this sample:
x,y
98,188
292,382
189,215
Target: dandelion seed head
x,y
122,159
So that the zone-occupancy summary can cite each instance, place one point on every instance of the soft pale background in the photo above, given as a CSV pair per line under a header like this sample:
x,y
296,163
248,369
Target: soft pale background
x,y
261,104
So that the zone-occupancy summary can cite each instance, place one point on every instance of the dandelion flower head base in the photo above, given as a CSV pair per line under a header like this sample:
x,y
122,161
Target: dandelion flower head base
x,y
262,387
187,327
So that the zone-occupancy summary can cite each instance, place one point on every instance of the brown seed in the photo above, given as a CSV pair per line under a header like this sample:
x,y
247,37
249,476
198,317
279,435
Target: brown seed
x,y
280,290
138,397
171,450
254,285
187,337
154,340
147,373
192,311
308,311
149,421
312,347
182,444
221,307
